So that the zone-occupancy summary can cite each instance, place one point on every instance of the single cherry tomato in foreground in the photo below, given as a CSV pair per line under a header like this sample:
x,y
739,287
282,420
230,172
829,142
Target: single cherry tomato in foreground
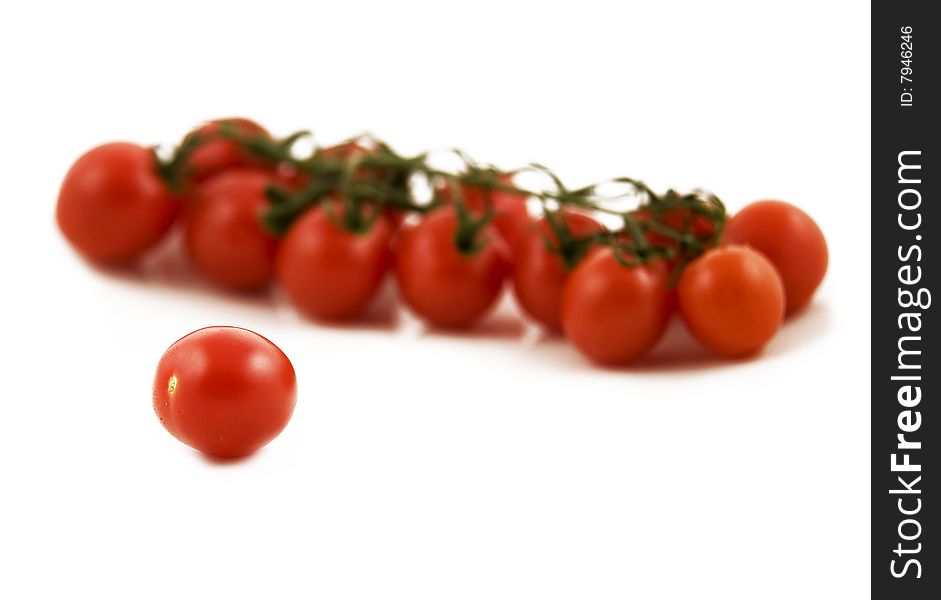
x,y
790,239
539,274
113,205
511,219
612,313
445,285
329,272
225,238
225,391
732,300
218,154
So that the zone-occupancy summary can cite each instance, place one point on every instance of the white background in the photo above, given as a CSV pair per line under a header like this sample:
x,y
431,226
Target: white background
x,y
422,465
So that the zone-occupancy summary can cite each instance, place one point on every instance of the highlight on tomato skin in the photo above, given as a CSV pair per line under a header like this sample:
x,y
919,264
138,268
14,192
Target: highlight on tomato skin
x,y
732,301
225,391
113,206
790,239
225,239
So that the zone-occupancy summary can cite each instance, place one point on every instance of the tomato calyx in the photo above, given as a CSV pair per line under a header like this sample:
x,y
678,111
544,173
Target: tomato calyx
x,y
173,169
570,248
468,235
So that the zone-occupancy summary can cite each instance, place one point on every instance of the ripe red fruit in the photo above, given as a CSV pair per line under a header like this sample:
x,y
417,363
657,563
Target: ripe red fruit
x,y
732,300
445,285
790,239
225,238
329,272
224,391
615,314
113,205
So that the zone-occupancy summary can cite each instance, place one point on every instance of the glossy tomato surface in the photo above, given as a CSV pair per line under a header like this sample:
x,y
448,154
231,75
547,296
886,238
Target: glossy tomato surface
x,y
225,238
790,239
443,285
224,391
113,206
732,300
218,154
615,314
331,273
539,271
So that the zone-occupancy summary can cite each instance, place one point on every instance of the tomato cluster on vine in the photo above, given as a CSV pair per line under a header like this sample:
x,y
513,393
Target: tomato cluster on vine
x,y
330,226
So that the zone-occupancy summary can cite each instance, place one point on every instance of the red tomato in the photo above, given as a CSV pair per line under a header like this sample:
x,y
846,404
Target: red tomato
x,y
539,275
443,285
732,300
329,272
219,154
511,218
225,238
790,239
225,391
615,314
113,206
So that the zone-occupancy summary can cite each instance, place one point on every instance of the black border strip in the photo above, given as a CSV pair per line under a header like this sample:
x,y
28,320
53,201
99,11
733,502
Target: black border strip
x,y
906,223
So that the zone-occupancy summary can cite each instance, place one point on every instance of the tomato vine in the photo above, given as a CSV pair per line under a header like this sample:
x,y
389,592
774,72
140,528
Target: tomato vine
x,y
366,175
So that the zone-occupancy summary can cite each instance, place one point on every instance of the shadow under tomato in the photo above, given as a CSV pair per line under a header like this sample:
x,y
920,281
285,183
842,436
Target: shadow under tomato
x,y
382,314
495,326
679,352
224,461
800,329
167,267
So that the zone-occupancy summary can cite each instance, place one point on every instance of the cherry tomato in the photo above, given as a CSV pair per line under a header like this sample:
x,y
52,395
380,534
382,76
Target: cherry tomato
x,y
445,286
219,154
331,273
790,239
225,238
113,205
225,391
539,274
732,300
511,219
612,313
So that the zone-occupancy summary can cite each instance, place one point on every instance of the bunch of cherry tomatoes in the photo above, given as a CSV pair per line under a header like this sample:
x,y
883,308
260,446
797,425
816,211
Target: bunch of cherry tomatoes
x,y
330,226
